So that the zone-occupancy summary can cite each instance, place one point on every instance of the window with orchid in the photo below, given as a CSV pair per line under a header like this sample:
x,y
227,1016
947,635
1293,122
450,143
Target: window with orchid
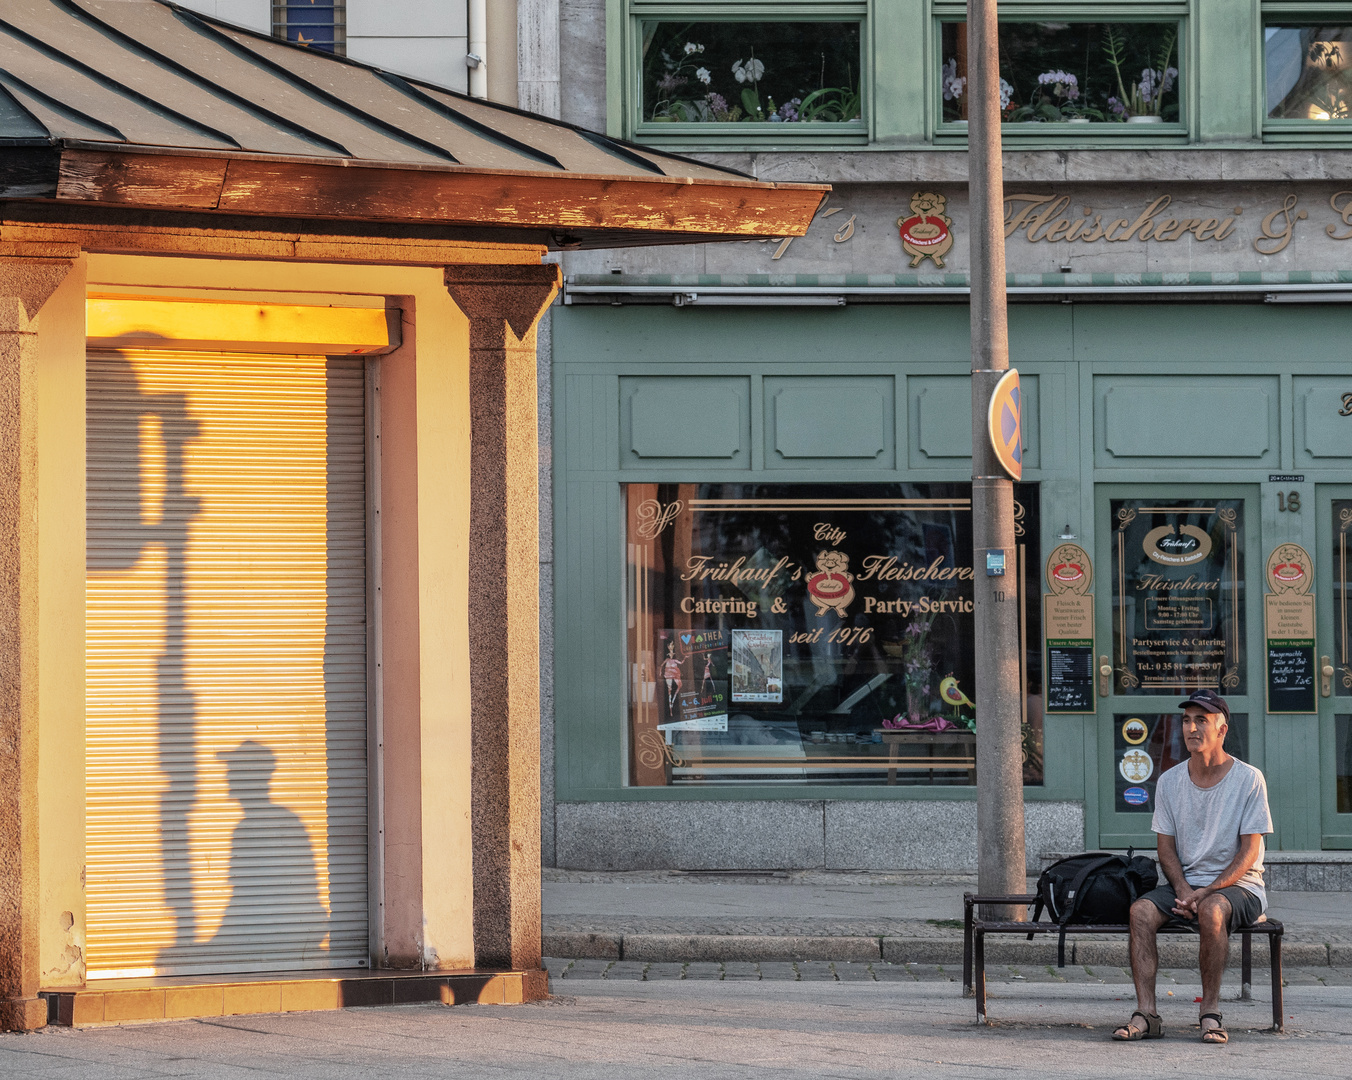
x,y
1072,72
771,73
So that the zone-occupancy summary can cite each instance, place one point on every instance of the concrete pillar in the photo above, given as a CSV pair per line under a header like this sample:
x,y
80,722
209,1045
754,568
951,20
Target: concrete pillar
x,y
503,304
25,285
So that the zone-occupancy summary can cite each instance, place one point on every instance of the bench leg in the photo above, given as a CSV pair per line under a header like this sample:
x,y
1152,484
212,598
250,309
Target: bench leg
x,y
1278,1003
967,990
1246,967
980,960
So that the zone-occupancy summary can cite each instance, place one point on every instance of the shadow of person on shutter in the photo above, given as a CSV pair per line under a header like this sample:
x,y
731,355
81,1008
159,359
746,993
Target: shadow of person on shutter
x,y
274,908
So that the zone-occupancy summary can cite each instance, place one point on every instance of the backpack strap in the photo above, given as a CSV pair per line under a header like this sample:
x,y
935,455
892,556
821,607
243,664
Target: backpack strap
x,y
1077,890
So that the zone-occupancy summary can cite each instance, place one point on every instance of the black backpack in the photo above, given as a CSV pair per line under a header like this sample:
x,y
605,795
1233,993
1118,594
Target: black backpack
x,y
1095,888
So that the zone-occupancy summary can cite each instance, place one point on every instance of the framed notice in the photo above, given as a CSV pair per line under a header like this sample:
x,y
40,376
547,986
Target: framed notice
x,y
1178,596
1068,621
1288,625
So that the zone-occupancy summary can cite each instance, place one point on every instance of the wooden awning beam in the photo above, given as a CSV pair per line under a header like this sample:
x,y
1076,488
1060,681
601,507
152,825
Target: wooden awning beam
x,y
663,208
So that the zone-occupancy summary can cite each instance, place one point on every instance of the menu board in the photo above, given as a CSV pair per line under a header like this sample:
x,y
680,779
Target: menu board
x,y
1290,668
1288,625
1068,618
1070,677
1178,596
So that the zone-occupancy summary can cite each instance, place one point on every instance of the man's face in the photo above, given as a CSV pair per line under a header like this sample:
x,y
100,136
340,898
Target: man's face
x,y
1202,731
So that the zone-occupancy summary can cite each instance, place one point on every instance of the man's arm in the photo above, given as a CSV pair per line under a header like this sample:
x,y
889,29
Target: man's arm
x,y
1173,869
1241,864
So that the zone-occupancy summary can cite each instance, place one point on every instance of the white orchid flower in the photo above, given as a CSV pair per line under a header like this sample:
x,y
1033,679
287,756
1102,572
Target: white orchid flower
x,y
691,47
704,75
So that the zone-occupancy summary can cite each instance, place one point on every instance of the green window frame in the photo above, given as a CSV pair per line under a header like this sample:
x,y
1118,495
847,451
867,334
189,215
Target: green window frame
x,y
626,84
1337,131
1033,134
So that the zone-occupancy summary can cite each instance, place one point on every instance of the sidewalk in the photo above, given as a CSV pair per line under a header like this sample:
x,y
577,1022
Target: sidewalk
x,y
664,917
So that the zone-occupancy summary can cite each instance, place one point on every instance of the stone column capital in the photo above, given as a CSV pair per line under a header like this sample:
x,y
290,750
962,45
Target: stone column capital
x,y
492,295
27,281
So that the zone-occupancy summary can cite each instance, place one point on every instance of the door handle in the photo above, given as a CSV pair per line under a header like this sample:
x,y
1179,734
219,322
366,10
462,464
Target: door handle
x,y
1325,677
1105,677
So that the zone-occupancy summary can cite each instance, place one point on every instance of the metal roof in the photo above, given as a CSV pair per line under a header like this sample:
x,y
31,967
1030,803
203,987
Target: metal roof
x,y
95,79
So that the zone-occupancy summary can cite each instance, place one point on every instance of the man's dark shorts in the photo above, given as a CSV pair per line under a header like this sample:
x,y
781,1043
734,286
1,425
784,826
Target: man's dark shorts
x,y
1244,906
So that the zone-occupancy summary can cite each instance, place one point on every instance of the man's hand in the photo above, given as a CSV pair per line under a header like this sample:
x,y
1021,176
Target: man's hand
x,y
1185,906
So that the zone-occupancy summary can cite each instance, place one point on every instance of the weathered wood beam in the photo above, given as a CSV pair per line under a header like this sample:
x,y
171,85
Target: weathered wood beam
x,y
269,187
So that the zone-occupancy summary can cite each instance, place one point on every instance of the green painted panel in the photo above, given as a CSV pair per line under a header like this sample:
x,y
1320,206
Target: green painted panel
x,y
827,418
1224,63
941,420
589,428
1323,418
671,421
1169,421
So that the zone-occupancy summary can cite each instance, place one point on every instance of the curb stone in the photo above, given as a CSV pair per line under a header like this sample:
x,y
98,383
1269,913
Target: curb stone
x,y
731,948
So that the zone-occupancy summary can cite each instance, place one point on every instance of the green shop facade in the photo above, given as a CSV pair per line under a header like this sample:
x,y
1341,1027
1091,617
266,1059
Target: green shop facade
x,y
761,463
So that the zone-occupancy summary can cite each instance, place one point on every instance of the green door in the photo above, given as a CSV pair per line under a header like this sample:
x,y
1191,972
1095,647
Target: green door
x,y
1333,613
1178,605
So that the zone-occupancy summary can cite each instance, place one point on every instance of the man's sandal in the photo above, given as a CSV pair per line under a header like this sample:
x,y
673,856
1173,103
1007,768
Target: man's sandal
x,y
1217,1035
1153,1029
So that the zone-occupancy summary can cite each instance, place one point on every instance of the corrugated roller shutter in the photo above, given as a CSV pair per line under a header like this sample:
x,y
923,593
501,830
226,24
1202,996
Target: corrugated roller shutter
x,y
226,681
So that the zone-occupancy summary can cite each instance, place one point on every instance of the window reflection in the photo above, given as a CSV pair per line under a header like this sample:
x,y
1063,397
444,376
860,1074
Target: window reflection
x,y
1307,72
808,634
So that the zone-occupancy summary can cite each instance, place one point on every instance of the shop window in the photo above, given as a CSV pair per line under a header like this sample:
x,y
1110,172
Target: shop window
x,y
800,634
317,24
1342,597
739,80
1178,596
1307,75
1343,765
1056,77
1146,745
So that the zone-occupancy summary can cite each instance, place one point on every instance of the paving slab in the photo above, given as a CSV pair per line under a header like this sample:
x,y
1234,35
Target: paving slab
x,y
607,1030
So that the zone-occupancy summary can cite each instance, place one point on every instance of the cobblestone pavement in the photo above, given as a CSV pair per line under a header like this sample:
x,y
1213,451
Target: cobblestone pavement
x,y
565,971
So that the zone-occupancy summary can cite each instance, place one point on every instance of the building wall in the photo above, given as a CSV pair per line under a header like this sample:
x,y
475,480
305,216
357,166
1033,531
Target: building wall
x,y
1281,193
427,39
424,913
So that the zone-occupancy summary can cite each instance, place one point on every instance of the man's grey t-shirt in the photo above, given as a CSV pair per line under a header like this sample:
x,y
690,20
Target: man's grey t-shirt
x,y
1206,823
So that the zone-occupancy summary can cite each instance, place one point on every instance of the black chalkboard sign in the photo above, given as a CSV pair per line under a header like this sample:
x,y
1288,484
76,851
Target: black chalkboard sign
x,y
1290,677
1070,677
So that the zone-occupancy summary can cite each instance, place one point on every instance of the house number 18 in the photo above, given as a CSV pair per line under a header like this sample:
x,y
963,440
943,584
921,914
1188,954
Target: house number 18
x,y
1290,503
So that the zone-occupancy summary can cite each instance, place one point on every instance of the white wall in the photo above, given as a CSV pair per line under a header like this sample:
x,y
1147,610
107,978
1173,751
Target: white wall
x,y
427,39
424,38
255,14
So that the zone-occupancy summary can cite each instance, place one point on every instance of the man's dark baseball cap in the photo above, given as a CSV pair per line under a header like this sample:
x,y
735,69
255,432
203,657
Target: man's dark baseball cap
x,y
1209,700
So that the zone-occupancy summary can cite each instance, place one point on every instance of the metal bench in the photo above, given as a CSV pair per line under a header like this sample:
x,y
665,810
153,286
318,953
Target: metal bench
x,y
974,933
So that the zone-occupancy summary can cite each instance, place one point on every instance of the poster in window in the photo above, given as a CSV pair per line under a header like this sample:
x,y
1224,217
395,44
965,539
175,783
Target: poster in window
x,y
835,626
1178,596
758,665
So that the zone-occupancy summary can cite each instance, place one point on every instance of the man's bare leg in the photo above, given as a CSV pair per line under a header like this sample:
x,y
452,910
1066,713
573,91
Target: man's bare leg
x,y
1213,921
1146,920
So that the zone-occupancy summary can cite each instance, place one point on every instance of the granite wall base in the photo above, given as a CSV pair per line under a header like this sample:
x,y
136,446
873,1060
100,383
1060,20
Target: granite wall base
x,y
798,835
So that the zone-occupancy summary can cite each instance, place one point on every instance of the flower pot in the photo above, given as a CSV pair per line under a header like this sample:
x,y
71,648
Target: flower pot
x,y
1145,119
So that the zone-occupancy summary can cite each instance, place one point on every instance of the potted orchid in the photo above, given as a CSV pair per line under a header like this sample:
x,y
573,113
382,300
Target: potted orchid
x,y
1144,102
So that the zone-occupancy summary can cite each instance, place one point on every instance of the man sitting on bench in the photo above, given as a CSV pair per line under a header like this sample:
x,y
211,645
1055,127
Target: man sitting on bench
x,y
1211,814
